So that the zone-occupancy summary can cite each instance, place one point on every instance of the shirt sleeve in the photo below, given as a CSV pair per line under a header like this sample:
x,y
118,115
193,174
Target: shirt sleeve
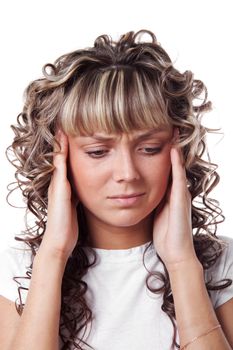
x,y
14,263
222,269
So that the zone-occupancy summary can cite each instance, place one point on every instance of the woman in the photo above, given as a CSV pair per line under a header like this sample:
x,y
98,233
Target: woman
x,y
124,253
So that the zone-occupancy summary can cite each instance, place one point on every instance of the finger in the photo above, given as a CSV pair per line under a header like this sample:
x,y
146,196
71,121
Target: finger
x,y
180,194
177,160
178,169
179,181
60,156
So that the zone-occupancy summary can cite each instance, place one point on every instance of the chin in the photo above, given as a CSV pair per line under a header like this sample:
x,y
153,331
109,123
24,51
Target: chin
x,y
127,220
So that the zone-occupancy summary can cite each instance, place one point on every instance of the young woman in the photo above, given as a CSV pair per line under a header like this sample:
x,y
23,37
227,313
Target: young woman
x,y
111,159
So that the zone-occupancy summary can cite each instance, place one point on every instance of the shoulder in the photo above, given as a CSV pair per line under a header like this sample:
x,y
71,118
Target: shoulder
x,y
226,256
220,274
226,239
225,260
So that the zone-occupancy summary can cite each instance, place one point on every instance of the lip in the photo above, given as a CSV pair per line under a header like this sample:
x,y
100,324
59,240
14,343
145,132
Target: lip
x,y
127,200
132,195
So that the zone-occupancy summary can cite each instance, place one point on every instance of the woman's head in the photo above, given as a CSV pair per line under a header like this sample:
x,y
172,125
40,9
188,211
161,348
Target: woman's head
x,y
118,88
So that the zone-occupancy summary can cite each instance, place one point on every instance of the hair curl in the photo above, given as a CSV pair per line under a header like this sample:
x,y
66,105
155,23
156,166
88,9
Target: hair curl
x,y
116,87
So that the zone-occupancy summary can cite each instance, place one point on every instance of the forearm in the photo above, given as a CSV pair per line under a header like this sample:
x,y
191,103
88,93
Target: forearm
x,y
39,324
194,312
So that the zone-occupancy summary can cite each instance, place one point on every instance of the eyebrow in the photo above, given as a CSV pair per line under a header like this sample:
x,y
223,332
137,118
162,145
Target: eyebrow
x,y
138,137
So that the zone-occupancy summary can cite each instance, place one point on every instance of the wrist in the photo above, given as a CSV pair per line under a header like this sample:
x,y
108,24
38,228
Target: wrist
x,y
48,251
50,258
190,265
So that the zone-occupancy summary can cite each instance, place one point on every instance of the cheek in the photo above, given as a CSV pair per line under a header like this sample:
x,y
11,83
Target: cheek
x,y
77,173
159,175
84,179
164,168
80,176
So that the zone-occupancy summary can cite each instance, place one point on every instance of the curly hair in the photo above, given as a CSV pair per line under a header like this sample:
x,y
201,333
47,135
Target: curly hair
x,y
114,86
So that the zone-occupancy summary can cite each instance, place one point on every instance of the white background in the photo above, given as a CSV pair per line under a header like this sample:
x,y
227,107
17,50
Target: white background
x,y
197,35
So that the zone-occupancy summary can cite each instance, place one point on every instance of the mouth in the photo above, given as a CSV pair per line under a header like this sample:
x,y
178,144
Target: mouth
x,y
132,195
127,200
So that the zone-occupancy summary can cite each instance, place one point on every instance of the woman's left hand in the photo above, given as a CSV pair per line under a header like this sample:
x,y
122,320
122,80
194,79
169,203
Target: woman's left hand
x,y
172,230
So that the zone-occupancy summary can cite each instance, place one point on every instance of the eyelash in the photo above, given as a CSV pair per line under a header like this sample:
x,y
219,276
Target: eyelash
x,y
93,154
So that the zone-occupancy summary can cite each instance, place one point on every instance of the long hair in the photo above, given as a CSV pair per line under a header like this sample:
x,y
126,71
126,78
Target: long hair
x,y
114,86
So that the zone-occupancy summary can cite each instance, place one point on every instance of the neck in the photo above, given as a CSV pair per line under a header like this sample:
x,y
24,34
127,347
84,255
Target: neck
x,y
104,236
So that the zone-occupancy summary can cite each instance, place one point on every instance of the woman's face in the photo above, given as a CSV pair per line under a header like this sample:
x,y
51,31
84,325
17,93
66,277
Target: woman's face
x,y
105,168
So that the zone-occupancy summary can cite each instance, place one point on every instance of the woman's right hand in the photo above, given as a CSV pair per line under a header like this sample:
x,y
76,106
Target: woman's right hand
x,y
61,232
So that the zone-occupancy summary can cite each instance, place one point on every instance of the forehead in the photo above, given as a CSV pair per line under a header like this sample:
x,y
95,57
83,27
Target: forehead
x,y
135,134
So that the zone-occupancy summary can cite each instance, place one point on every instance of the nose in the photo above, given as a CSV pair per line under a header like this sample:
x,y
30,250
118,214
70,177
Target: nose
x,y
124,168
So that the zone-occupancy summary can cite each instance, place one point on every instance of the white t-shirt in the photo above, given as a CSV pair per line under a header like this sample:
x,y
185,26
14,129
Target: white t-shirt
x,y
127,316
